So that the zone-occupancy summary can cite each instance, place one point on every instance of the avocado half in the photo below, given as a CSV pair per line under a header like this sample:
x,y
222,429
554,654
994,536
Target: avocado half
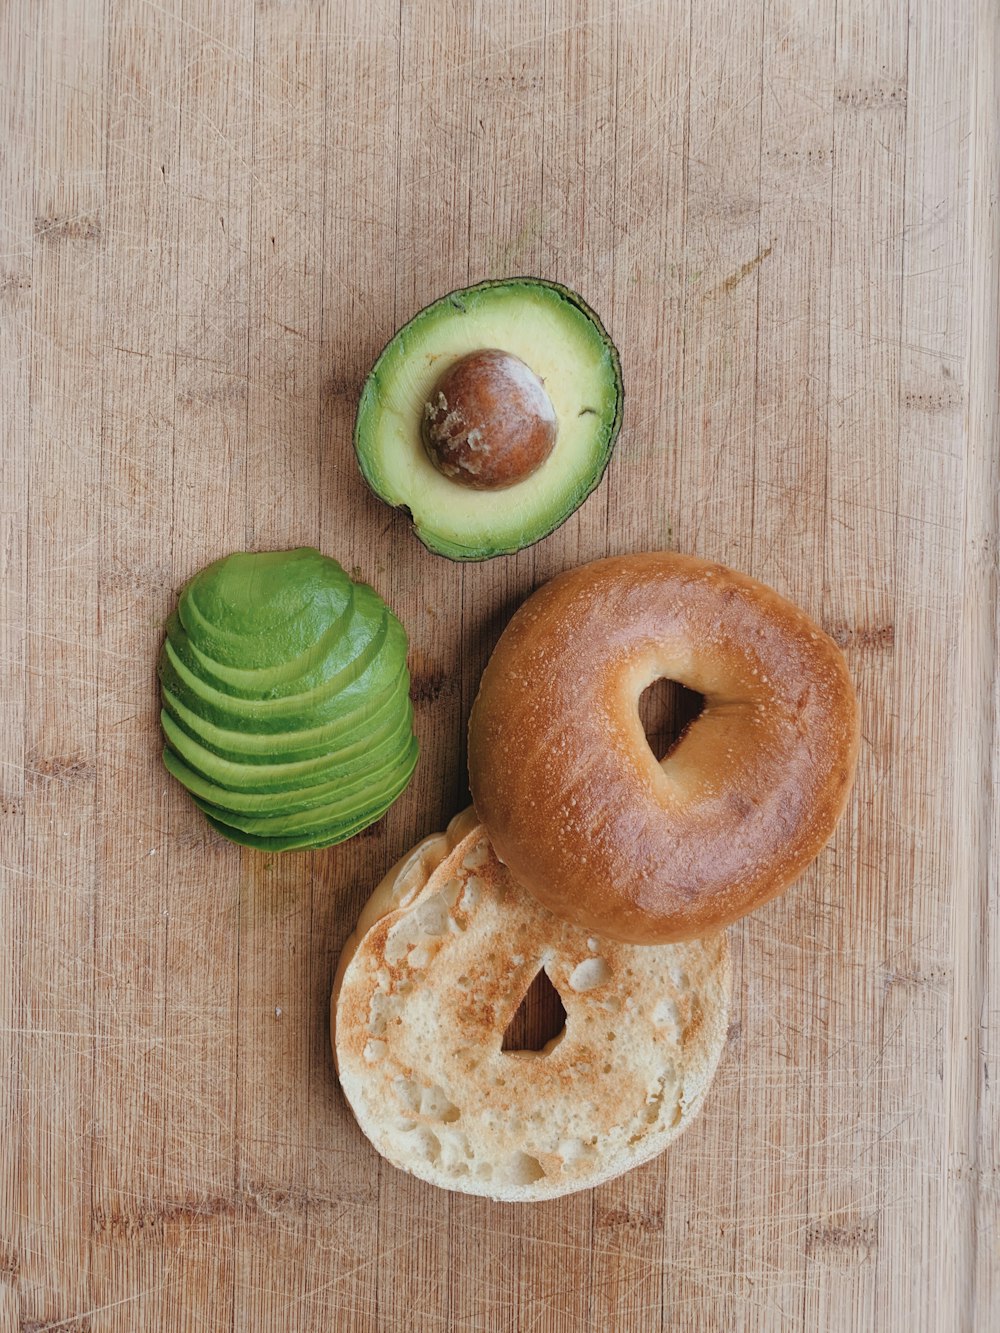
x,y
555,333
286,707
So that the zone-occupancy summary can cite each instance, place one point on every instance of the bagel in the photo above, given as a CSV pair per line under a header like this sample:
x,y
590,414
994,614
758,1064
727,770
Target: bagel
x,y
579,807
443,955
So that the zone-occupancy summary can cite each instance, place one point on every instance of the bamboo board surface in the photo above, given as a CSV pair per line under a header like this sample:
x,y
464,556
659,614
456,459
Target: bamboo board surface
x,y
214,215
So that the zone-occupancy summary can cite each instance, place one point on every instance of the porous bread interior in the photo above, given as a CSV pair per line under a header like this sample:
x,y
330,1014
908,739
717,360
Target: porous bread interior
x,y
398,888
423,997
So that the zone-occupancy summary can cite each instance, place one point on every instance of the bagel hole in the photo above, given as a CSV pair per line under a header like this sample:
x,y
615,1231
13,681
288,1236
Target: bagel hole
x,y
540,1017
666,710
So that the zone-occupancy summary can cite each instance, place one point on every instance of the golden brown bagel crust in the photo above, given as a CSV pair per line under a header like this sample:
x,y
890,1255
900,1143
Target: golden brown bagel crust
x,y
573,798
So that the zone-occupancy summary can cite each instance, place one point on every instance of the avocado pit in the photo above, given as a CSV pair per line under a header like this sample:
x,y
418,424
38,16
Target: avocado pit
x,y
489,423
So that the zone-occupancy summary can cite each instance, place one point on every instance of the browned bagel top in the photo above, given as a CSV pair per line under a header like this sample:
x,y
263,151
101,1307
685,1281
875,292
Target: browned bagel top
x,y
580,808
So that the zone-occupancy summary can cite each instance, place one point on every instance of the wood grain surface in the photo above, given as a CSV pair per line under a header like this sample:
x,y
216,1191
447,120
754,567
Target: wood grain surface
x,y
214,215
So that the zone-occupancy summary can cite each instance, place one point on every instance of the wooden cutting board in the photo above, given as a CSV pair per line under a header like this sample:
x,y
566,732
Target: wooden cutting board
x,y
215,214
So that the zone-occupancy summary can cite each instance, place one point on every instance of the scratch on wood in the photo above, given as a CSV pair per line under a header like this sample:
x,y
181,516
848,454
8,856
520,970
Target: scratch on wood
x,y
74,1323
872,97
873,637
935,400
427,678
287,327
631,1219
14,282
744,271
62,767
194,1209
859,1239
55,227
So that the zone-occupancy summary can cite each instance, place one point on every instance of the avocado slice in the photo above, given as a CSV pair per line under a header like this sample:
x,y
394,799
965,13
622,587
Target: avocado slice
x,y
553,333
302,842
320,819
258,751
341,788
286,702
309,669
254,610
366,754
362,648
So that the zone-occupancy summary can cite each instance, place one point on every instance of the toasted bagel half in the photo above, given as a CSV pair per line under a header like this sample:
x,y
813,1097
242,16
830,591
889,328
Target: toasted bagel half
x,y
425,990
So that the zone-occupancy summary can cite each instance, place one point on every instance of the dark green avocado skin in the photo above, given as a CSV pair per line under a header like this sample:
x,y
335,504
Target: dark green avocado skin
x,y
486,545
286,708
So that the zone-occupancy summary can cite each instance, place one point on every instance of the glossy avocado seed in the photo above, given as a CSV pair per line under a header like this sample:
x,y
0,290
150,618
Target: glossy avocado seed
x,y
489,422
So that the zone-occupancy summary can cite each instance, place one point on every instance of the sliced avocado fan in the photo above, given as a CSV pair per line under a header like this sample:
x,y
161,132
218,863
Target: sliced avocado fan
x,y
286,708
409,416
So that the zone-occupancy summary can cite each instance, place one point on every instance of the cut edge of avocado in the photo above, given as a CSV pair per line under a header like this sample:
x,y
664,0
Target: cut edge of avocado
x,y
318,582
318,831
334,760
306,843
324,703
343,778
262,749
255,682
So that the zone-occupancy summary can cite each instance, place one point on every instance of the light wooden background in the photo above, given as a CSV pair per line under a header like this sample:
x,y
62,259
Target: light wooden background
x,y
214,215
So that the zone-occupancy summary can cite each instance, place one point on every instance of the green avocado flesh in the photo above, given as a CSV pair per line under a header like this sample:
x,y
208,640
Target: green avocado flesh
x,y
338,791
323,704
347,761
561,339
250,771
292,842
311,820
286,708
315,743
